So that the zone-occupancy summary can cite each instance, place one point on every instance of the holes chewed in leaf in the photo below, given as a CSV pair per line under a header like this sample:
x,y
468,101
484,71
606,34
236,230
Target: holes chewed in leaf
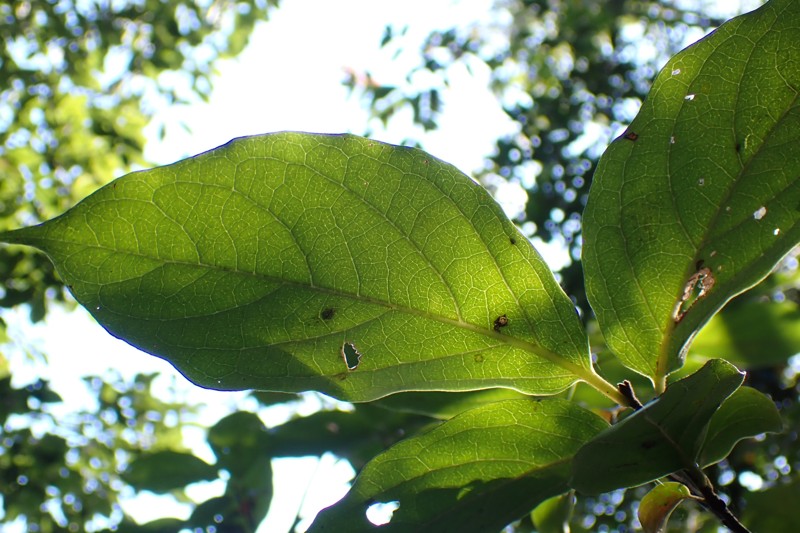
x,y
760,213
381,513
351,356
698,286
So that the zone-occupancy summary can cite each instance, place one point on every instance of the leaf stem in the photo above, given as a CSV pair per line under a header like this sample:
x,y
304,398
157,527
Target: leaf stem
x,y
607,389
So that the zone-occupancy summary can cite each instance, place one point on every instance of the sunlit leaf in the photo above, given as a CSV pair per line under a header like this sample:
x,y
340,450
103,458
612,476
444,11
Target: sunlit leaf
x,y
658,504
663,437
699,199
746,413
263,263
476,472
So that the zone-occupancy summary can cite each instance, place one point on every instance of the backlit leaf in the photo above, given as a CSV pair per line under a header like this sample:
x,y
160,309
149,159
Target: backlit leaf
x,y
265,262
700,198
478,471
657,505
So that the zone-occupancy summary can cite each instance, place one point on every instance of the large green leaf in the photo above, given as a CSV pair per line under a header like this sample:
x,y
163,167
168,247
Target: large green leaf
x,y
700,198
296,261
663,437
476,472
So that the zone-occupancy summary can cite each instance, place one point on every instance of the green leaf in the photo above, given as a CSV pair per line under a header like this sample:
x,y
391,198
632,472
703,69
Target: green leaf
x,y
254,266
239,440
167,470
773,510
752,334
746,413
478,471
444,405
553,514
663,437
657,505
700,198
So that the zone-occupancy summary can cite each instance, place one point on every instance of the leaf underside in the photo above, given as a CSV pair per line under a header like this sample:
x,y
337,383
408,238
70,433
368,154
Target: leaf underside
x,y
663,437
295,262
700,198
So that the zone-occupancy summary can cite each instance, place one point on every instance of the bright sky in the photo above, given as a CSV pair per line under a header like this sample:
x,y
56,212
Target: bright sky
x,y
289,78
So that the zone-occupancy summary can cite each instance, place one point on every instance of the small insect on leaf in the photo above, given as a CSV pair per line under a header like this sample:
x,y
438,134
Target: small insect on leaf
x,y
350,355
500,322
631,136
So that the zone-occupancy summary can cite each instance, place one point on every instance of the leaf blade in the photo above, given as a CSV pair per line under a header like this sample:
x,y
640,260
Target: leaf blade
x,y
684,215
253,265
663,437
464,474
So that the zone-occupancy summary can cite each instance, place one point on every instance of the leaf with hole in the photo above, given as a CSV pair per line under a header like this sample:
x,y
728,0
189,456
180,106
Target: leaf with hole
x,y
265,262
706,200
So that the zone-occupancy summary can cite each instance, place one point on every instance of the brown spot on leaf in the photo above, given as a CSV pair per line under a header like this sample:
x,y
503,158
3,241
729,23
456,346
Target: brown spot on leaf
x,y
327,313
631,136
500,322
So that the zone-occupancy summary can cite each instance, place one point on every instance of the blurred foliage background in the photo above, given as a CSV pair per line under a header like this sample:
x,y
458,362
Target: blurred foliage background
x,y
79,81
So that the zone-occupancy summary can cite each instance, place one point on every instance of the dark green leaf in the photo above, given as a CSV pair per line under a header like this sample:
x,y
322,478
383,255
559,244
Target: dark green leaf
x,y
167,470
256,264
746,413
663,437
239,440
774,510
700,198
478,471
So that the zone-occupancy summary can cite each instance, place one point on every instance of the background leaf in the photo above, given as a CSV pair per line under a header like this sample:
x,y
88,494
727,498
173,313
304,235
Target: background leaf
x,y
752,333
663,437
702,190
478,471
774,509
252,265
167,470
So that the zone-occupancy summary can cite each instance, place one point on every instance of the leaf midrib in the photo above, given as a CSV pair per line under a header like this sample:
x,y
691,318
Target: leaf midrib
x,y
578,371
